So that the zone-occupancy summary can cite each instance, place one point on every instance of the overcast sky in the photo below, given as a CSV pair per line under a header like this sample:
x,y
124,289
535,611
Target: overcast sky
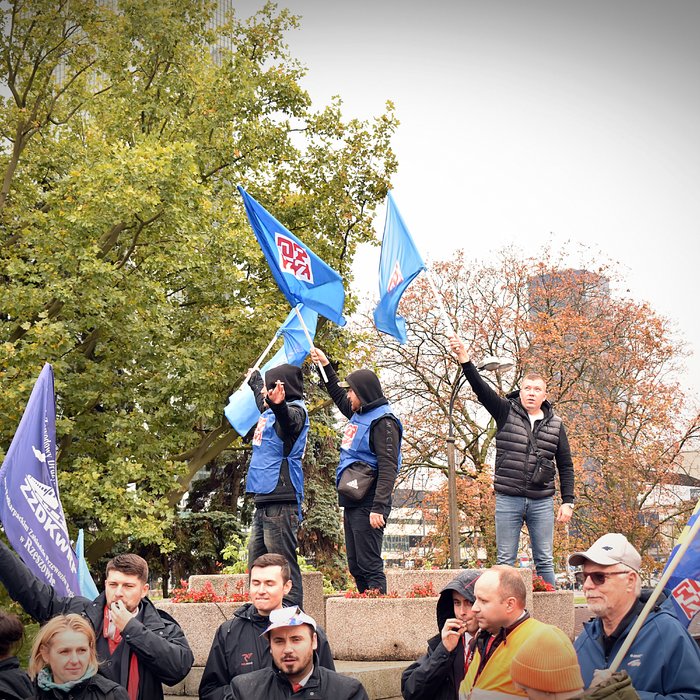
x,y
531,121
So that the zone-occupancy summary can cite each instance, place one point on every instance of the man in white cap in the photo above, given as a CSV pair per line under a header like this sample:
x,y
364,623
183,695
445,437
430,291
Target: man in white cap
x,y
663,660
296,673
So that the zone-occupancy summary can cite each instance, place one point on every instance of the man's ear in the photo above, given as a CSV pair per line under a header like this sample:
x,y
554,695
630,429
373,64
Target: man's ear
x,y
287,587
314,641
144,590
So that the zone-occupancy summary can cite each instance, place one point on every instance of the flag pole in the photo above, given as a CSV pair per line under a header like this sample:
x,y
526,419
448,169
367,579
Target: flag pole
x,y
438,297
310,339
653,597
265,351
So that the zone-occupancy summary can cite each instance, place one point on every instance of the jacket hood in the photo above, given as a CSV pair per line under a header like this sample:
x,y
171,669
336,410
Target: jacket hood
x,y
462,584
365,384
292,378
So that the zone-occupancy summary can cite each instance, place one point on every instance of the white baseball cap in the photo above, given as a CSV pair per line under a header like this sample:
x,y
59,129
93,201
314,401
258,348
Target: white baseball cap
x,y
613,548
289,617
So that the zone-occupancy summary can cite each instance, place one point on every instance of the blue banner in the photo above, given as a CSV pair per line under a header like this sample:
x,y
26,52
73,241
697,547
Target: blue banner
x,y
30,509
87,586
683,586
301,275
242,411
399,264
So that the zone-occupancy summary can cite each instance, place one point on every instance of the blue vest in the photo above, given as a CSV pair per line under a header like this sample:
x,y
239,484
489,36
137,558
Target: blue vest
x,y
354,446
268,453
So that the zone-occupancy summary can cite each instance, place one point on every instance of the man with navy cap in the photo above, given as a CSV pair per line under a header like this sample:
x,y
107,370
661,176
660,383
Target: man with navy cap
x,y
663,660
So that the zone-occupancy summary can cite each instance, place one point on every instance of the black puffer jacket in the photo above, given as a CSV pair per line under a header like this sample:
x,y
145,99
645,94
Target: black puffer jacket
x,y
14,682
270,684
438,673
96,688
515,460
239,648
164,656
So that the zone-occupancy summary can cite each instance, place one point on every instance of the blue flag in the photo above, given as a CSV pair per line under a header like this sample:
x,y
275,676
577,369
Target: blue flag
x,y
242,411
87,586
301,275
399,264
683,586
30,509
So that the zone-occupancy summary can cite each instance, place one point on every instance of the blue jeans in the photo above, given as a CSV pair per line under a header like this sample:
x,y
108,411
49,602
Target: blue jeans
x,y
274,531
538,515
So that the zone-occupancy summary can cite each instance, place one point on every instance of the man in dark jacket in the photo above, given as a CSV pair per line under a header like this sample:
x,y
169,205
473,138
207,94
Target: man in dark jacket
x,y
437,674
239,646
142,647
524,476
296,672
275,475
372,439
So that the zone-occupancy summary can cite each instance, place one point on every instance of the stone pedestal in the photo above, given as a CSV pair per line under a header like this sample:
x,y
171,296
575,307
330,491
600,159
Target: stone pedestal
x,y
555,608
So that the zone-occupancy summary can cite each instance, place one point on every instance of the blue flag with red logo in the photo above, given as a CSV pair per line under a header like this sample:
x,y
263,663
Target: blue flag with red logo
x,y
30,506
301,275
242,411
683,586
399,264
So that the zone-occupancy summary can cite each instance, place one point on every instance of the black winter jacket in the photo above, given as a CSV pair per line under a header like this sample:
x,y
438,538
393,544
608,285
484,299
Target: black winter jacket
x,y
14,682
515,460
438,673
164,656
270,684
240,649
96,688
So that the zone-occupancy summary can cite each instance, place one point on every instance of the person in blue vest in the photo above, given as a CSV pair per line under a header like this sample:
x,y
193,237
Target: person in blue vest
x,y
275,474
371,444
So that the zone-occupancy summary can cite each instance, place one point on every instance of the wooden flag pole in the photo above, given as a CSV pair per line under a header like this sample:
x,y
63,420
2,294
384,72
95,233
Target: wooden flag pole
x,y
265,351
619,657
311,342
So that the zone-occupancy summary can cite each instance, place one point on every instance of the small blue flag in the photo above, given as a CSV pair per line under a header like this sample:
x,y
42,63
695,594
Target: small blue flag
x,y
30,506
399,264
242,411
683,586
301,275
88,589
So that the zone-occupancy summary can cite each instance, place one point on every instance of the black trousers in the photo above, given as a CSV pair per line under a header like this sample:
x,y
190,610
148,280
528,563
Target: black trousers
x,y
363,545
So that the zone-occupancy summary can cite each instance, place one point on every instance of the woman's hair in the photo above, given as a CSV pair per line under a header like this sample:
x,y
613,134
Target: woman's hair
x,y
11,633
56,625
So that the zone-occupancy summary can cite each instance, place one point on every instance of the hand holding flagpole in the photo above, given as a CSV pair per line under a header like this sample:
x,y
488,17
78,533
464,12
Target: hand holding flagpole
x,y
311,343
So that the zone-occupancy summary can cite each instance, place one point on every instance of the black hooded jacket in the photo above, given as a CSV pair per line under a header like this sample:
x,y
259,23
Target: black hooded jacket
x,y
14,682
438,673
289,422
384,440
239,647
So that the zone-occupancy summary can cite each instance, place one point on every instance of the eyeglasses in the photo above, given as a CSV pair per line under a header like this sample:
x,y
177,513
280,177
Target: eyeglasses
x,y
600,577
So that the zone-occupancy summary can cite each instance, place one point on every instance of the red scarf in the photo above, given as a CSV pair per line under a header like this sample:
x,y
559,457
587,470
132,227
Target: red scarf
x,y
113,640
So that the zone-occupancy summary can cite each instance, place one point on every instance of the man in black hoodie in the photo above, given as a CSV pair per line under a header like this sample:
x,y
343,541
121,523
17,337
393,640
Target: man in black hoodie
x,y
275,474
438,673
371,442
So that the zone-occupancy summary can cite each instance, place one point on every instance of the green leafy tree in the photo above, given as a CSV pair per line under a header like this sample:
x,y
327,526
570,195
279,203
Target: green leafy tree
x,y
126,258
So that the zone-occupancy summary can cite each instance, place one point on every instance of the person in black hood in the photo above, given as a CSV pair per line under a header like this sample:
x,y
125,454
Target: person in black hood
x,y
438,673
275,474
370,458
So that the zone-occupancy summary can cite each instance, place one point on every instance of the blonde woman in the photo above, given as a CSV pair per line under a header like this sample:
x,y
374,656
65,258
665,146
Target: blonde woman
x,y
63,663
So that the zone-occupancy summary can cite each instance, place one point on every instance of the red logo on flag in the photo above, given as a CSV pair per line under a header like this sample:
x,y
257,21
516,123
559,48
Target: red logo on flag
x,y
348,435
396,277
687,596
294,258
257,435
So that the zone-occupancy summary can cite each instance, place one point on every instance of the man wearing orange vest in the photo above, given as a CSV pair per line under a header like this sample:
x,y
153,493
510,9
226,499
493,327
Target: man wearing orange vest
x,y
504,625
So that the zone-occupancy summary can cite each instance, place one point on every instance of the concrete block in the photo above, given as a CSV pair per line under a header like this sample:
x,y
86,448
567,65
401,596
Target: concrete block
x,y
312,581
381,679
389,629
555,608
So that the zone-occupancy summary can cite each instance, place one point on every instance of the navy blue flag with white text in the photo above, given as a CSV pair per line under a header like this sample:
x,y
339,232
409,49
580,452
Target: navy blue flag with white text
x,y
683,587
399,264
301,275
242,411
30,509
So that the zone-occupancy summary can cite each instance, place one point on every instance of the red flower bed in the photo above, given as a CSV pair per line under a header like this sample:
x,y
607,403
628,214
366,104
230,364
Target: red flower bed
x,y
207,594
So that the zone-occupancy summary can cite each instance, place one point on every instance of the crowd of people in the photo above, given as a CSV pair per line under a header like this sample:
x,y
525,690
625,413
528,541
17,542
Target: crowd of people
x,y
121,646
